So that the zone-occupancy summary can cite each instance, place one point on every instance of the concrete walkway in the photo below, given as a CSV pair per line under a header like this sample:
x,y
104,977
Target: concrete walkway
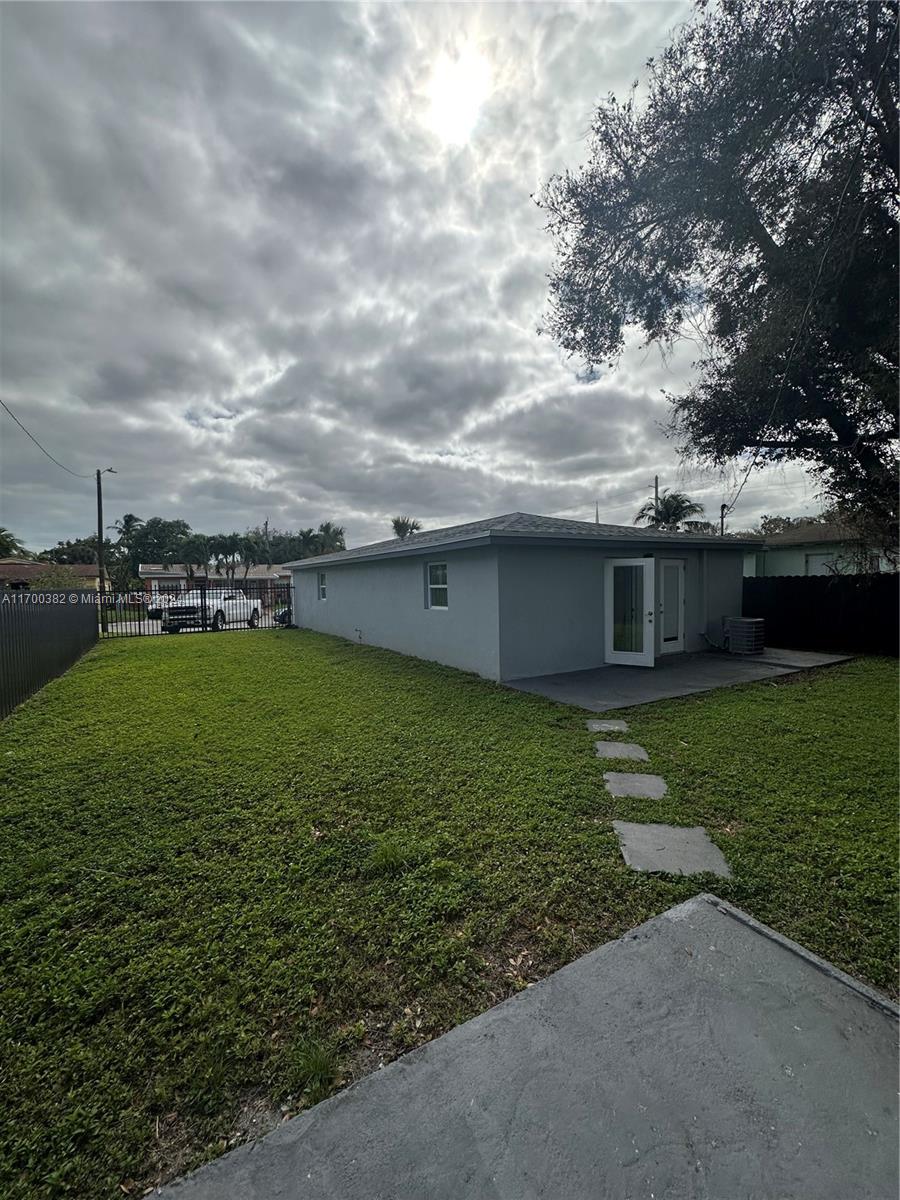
x,y
670,849
606,688
701,1056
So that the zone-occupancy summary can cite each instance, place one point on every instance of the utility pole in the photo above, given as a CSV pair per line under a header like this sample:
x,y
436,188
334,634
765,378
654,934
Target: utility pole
x,y
722,511
100,562
596,512
656,493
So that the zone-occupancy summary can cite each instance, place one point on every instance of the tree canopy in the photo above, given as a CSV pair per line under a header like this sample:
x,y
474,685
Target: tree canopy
x,y
10,546
57,577
158,540
750,203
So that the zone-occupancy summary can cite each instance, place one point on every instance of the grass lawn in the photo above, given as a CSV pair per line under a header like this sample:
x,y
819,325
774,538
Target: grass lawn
x,y
238,872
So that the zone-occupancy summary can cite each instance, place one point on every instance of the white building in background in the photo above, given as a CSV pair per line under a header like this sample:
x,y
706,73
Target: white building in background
x,y
815,549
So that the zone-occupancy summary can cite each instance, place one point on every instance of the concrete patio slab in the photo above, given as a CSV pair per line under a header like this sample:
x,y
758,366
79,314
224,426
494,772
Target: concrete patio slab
x,y
700,1056
605,688
796,660
642,787
671,849
607,726
621,750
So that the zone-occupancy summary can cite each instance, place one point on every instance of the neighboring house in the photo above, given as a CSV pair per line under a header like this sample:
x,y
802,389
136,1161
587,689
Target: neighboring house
x,y
522,595
20,573
177,575
815,549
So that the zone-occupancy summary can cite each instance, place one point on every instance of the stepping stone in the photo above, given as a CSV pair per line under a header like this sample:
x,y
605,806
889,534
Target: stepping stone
x,y
671,849
607,726
621,750
642,787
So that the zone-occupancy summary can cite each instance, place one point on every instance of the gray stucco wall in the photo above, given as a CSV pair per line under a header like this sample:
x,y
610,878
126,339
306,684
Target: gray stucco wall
x,y
552,604
551,609
721,591
514,611
694,613
383,604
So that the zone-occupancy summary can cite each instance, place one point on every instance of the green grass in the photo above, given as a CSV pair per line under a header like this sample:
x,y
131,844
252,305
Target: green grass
x,y
316,1068
240,871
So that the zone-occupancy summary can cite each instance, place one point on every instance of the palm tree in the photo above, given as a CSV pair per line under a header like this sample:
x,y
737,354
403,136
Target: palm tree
x,y
195,552
670,511
127,527
309,543
330,538
251,552
225,549
404,526
10,546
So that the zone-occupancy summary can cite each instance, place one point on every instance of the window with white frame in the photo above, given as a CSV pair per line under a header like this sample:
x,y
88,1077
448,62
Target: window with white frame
x,y
436,591
322,590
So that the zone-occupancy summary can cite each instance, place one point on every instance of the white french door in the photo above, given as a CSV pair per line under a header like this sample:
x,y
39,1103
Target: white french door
x,y
671,606
629,595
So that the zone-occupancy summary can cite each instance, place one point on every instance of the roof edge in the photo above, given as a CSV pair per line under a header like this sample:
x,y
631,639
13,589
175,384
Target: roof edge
x,y
457,543
511,537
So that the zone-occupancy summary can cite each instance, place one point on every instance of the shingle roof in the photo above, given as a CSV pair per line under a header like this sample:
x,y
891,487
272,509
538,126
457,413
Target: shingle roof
x,y
813,534
519,525
24,568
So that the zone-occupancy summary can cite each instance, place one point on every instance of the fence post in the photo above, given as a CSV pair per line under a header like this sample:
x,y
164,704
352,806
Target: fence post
x,y
104,622
203,609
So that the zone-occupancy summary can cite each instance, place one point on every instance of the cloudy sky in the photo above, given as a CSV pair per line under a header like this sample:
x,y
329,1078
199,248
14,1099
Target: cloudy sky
x,y
281,261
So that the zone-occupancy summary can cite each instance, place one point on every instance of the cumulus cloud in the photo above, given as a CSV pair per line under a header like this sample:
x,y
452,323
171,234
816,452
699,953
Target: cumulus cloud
x,y
282,261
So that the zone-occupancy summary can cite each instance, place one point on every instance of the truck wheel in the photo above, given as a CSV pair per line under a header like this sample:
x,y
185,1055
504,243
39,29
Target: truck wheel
x,y
253,623
218,622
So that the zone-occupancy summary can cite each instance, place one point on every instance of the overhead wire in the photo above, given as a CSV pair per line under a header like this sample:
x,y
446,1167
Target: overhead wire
x,y
43,449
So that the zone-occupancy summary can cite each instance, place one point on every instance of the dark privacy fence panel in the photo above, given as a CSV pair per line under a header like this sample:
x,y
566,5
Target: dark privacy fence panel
x,y
41,635
851,613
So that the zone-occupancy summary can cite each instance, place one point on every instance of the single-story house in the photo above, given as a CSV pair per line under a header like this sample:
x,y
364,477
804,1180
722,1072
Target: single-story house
x,y
815,549
177,575
522,595
20,573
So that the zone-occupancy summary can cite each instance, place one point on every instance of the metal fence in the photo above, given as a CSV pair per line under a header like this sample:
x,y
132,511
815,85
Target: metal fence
x,y
854,614
41,635
214,605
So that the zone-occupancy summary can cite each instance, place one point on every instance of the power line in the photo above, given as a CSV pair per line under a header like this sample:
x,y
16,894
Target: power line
x,y
789,486
77,474
825,253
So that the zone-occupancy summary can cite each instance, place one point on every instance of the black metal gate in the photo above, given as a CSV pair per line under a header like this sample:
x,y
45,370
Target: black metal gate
x,y
214,605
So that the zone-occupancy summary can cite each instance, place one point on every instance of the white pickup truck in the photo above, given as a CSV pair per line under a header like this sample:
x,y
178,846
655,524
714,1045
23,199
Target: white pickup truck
x,y
223,607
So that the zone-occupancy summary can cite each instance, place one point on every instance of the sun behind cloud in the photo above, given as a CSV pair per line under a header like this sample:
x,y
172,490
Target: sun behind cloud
x,y
460,84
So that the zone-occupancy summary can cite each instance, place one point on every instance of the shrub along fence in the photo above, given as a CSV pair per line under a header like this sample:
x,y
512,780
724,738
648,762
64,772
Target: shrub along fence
x,y
851,613
41,635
